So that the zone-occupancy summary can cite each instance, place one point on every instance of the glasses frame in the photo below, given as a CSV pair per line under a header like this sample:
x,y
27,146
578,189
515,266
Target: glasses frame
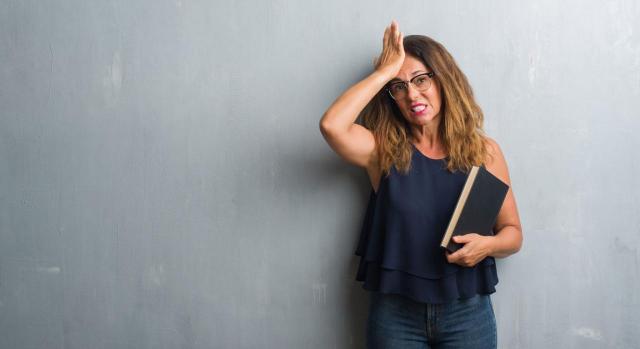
x,y
406,83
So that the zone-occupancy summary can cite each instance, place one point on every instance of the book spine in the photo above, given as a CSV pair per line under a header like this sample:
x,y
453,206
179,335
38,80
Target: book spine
x,y
458,210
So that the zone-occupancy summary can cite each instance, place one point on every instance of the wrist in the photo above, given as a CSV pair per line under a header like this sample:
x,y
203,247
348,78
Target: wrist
x,y
382,76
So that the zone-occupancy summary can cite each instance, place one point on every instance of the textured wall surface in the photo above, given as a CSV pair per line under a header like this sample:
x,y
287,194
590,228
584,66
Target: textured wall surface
x,y
164,184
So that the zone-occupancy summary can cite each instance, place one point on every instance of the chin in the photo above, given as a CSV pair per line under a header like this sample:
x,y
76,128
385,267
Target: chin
x,y
422,119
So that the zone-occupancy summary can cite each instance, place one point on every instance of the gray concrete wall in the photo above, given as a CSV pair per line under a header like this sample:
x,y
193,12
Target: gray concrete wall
x,y
164,184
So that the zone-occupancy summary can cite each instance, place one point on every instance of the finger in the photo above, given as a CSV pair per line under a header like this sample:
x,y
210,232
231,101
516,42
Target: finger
x,y
385,38
394,30
462,238
449,258
390,38
397,27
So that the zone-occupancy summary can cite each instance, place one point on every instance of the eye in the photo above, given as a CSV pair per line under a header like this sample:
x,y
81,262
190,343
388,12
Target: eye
x,y
420,80
397,87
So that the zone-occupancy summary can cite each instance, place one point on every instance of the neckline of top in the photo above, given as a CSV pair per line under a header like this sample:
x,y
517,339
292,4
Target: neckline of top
x,y
424,156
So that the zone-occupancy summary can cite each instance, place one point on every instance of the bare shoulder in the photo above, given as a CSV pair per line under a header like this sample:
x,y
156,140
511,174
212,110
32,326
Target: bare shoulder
x,y
493,149
495,162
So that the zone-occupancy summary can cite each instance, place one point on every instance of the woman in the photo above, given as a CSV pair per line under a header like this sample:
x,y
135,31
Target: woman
x,y
422,133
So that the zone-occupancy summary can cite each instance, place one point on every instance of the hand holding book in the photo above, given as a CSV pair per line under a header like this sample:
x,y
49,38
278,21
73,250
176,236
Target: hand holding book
x,y
476,248
476,211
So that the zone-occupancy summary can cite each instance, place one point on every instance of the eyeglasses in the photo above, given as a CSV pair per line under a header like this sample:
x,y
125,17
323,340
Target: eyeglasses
x,y
398,90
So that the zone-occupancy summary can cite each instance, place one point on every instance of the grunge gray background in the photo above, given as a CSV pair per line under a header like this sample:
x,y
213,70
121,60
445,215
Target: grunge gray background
x,y
164,183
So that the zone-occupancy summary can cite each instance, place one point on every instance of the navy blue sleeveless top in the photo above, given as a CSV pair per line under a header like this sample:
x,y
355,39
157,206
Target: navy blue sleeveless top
x,y
399,242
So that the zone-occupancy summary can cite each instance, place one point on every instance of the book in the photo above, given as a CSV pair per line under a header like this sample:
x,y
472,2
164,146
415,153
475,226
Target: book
x,y
477,208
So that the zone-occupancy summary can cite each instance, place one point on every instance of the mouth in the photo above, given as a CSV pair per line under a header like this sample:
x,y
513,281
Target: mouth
x,y
418,109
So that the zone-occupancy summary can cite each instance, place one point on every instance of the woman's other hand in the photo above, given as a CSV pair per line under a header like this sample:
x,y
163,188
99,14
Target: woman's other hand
x,y
476,248
390,60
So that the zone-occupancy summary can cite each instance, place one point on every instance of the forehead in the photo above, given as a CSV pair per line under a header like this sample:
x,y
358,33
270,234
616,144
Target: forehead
x,y
411,67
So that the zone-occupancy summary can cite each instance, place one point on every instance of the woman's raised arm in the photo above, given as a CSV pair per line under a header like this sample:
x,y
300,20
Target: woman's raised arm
x,y
351,141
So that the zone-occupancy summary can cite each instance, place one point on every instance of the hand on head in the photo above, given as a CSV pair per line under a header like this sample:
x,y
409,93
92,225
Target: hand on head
x,y
390,60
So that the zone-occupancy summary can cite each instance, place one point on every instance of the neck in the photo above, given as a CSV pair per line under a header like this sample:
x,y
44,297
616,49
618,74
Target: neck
x,y
427,135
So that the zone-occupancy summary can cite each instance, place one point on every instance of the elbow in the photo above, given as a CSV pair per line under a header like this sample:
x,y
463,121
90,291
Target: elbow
x,y
326,128
325,125
518,246
512,240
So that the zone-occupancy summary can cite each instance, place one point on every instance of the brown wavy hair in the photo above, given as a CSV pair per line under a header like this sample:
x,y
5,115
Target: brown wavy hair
x,y
460,128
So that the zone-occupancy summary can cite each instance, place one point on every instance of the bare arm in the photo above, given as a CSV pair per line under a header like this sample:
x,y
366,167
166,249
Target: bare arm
x,y
508,237
508,233
351,141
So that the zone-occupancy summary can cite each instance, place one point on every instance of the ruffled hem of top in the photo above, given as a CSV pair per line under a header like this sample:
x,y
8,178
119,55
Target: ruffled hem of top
x,y
466,283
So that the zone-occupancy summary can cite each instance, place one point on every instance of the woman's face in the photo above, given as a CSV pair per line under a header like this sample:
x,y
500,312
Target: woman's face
x,y
418,107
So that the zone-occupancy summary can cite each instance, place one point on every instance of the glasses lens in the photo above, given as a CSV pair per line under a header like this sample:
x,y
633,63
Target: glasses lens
x,y
398,90
422,82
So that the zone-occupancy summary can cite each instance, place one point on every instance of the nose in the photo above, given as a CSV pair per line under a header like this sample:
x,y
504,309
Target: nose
x,y
412,92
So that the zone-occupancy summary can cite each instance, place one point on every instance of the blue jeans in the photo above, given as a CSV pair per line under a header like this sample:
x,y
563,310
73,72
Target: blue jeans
x,y
396,321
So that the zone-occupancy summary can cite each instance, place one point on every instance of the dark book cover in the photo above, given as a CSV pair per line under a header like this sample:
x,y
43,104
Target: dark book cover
x,y
477,208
